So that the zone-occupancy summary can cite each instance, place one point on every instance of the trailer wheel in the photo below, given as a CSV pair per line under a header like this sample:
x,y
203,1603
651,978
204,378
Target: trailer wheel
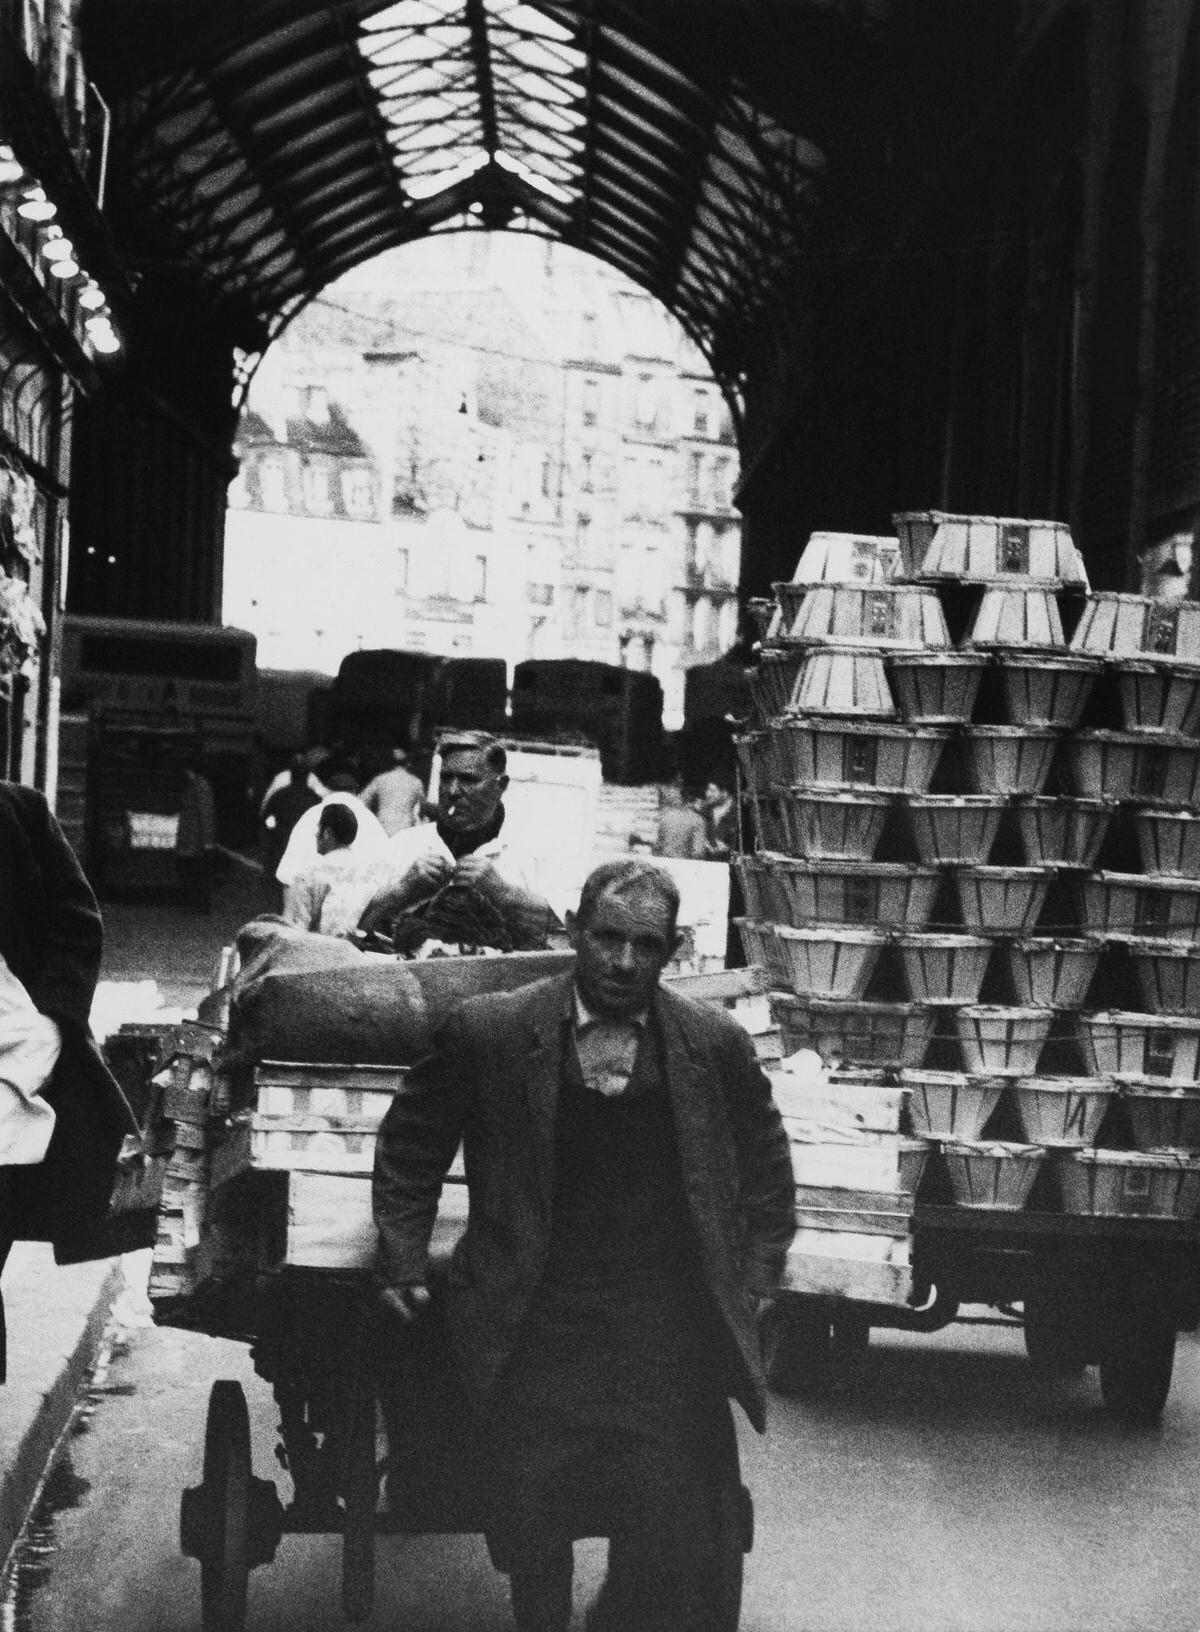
x,y
1135,1376
225,1560
360,1490
851,1334
797,1345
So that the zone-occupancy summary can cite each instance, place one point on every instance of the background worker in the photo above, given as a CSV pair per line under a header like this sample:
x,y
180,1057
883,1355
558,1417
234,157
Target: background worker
x,y
395,796
196,838
682,830
329,896
631,1204
466,845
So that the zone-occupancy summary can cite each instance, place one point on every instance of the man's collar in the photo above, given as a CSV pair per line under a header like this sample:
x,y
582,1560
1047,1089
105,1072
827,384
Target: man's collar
x,y
585,1017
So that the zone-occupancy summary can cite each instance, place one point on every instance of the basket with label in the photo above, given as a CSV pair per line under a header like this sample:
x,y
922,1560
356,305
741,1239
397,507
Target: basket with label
x,y
846,753
855,892
1128,1183
880,615
986,549
950,1104
847,558
1122,1043
996,1173
1132,626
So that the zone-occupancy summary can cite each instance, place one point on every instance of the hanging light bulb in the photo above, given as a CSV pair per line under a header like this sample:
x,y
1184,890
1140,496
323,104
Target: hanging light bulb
x,y
11,168
35,206
65,267
58,248
102,334
91,297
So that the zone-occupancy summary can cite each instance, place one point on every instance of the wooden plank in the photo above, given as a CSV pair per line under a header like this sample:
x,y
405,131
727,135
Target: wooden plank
x,y
844,1104
330,1074
720,985
360,1109
846,1166
854,1221
869,1201
864,1267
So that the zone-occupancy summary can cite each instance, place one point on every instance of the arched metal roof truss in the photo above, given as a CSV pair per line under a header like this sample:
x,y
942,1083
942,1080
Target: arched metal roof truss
x,y
282,142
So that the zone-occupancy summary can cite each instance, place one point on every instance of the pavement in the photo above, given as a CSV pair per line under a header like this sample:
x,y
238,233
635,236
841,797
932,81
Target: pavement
x,y
159,961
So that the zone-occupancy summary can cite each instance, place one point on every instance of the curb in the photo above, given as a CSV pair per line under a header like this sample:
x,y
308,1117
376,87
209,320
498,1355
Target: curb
x,y
44,1387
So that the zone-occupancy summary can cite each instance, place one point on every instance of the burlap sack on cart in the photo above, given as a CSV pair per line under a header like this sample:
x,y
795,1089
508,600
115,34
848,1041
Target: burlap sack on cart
x,y
299,996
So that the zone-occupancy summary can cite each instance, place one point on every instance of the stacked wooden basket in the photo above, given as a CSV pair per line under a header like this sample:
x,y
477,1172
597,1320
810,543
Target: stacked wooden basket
x,y
969,792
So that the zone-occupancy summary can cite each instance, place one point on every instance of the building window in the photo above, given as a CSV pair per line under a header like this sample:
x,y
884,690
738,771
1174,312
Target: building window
x,y
645,403
701,407
721,484
481,577
547,479
315,487
591,402
357,493
586,471
272,485
583,533
401,572
590,329
577,611
539,594
602,609
695,476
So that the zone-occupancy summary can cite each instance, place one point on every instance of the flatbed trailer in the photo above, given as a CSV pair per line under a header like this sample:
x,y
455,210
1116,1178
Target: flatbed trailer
x,y
1108,1291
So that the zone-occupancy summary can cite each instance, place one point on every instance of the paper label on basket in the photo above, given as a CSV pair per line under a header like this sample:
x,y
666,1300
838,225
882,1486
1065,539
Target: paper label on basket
x,y
1135,1188
1161,628
1014,548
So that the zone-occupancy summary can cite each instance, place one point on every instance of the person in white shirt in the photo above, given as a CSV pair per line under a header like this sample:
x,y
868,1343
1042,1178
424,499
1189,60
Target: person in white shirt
x,y
329,896
466,846
369,845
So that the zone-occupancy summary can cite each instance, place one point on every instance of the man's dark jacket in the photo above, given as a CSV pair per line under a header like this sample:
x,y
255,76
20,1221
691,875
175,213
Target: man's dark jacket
x,y
494,1082
50,936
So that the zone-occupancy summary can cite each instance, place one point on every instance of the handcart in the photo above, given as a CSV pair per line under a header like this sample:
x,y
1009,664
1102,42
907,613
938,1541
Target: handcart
x,y
375,1434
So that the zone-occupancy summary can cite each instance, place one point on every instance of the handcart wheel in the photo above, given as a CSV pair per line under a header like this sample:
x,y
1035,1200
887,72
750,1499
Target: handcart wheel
x,y
1135,1376
225,1563
360,1489
1052,1340
797,1342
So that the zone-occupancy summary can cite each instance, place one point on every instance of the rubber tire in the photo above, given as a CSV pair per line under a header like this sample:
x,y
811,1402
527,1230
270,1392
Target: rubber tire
x,y
360,1492
797,1340
225,1568
1135,1376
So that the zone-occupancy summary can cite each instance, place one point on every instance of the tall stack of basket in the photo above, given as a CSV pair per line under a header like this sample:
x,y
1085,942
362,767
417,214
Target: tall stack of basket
x,y
938,759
